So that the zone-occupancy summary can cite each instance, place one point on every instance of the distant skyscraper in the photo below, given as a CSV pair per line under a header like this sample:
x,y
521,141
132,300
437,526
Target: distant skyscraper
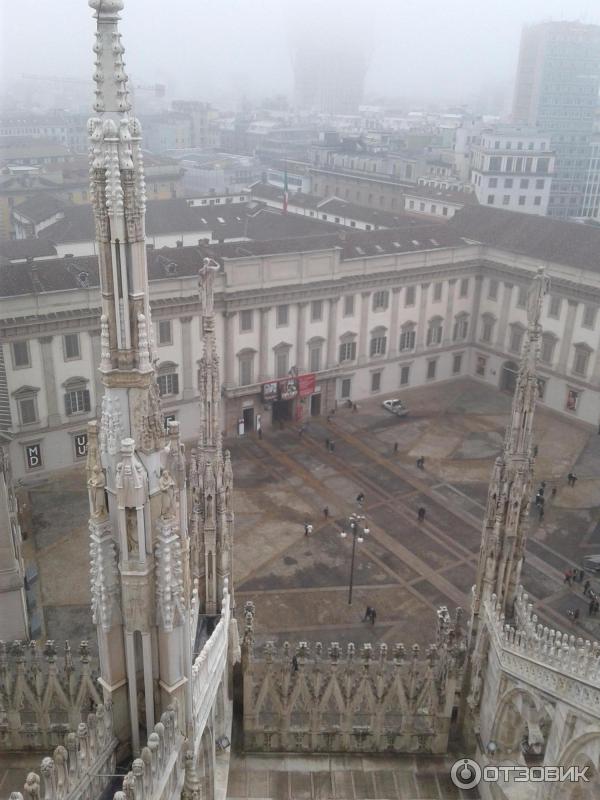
x,y
556,90
327,80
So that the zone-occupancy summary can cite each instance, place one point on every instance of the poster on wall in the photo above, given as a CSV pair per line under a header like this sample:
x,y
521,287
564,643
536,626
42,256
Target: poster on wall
x,y
307,385
270,391
572,400
288,388
33,456
80,445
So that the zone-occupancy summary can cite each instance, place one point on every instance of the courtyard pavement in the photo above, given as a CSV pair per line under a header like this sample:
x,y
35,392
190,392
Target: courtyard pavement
x,y
404,569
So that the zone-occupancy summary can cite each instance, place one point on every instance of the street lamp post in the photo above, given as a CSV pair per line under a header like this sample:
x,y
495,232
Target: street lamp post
x,y
358,531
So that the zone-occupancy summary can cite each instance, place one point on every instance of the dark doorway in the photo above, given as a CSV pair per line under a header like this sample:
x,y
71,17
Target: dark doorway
x,y
508,379
315,405
282,410
248,414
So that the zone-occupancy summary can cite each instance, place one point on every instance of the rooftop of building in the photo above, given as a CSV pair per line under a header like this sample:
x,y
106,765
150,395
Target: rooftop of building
x,y
22,249
459,197
40,207
67,273
13,148
542,238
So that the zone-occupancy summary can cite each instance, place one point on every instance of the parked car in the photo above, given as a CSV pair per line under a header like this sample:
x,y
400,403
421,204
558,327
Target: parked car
x,y
591,563
396,407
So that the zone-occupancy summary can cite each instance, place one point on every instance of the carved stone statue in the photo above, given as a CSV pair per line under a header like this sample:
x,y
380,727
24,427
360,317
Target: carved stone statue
x,y
97,485
131,530
167,489
537,292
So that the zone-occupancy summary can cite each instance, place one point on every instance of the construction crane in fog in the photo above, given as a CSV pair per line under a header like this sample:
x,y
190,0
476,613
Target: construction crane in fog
x,y
159,89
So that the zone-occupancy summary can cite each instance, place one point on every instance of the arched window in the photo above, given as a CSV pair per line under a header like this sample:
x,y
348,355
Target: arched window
x,y
77,396
488,323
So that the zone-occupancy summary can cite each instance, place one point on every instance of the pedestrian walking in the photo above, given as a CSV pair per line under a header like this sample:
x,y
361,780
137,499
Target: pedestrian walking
x,y
586,587
294,663
535,450
576,615
260,433
354,408
360,498
367,615
591,607
570,478
573,479
373,615
307,529
553,492
326,512
596,606
421,514
395,447
541,512
331,446
421,462
568,576
581,576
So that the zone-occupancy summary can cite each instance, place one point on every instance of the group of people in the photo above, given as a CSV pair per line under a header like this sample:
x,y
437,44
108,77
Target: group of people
x,y
370,615
577,575
594,600
574,576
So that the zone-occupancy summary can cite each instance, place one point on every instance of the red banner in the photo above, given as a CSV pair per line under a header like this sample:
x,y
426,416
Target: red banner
x,y
306,384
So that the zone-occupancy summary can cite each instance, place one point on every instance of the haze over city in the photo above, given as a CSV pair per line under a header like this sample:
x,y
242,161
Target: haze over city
x,y
299,400
439,51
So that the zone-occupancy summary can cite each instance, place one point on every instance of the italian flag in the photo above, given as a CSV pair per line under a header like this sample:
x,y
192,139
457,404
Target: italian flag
x,y
285,190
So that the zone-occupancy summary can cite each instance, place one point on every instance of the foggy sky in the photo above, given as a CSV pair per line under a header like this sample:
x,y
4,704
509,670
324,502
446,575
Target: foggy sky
x,y
217,49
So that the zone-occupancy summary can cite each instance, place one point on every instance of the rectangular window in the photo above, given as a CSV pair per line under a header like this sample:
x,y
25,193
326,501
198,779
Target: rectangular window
x,y
315,359
346,388
488,330
77,401
316,311
437,292
409,296
548,346
506,200
407,339
539,183
516,340
27,410
246,320
165,335
168,384
348,351
580,364
537,200
431,369
349,305
20,352
71,346
281,364
434,334
521,297
456,363
589,316
33,456
378,345
490,200
464,287
404,375
246,371
524,183
493,290
493,183
375,381
282,316
554,306
480,365
380,300
522,200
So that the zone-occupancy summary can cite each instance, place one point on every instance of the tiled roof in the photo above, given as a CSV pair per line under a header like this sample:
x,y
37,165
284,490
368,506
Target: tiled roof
x,y
40,207
15,249
546,239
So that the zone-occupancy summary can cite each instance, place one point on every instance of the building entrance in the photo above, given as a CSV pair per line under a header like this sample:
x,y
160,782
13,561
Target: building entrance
x,y
283,410
315,405
248,419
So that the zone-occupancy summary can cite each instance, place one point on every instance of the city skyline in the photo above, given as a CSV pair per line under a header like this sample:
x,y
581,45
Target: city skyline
x,y
410,59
